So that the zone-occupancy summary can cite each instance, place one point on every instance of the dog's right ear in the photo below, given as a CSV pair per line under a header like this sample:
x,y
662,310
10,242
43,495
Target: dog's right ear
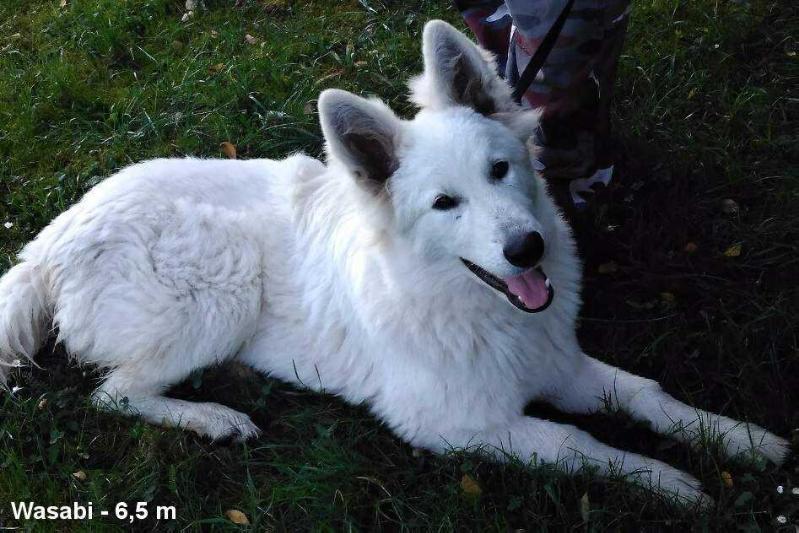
x,y
363,134
458,72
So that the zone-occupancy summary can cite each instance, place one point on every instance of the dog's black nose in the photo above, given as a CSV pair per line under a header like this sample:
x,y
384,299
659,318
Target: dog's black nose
x,y
525,250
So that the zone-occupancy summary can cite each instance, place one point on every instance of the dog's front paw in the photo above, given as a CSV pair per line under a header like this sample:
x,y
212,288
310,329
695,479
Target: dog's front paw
x,y
774,448
748,442
678,486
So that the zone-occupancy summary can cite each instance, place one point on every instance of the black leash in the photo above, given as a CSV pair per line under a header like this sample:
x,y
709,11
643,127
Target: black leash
x,y
540,56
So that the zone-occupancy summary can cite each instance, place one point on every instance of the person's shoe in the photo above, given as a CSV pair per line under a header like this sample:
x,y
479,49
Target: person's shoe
x,y
586,186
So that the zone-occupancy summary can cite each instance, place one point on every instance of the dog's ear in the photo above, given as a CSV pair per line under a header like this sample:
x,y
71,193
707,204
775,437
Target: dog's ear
x,y
458,72
363,134
523,123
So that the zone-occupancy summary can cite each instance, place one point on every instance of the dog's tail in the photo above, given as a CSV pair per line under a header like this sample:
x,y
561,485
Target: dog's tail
x,y
24,316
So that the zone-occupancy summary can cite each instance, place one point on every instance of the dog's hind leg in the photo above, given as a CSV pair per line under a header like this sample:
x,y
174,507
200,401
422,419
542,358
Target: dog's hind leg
x,y
152,301
596,386
127,390
154,352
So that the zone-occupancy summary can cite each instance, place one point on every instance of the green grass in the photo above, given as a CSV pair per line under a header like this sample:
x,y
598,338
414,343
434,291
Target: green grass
x,y
706,111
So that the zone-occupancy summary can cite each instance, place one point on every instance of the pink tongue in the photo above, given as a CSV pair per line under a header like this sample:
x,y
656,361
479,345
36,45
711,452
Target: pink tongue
x,y
530,287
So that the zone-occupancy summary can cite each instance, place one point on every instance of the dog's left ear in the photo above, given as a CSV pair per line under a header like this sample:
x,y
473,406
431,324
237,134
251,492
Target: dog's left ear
x,y
458,72
363,134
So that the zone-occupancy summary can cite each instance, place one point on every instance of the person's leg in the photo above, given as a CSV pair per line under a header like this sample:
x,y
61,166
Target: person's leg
x,y
563,89
491,25
574,87
603,72
558,87
605,68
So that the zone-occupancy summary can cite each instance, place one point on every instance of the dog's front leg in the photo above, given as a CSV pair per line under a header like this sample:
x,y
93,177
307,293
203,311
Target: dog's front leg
x,y
535,440
596,386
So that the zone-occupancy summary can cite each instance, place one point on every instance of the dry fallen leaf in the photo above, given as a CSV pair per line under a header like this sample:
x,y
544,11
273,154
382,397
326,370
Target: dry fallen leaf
x,y
729,206
237,517
667,297
80,475
608,268
642,305
585,507
229,149
691,247
733,251
42,404
332,74
470,486
216,68
250,39
726,477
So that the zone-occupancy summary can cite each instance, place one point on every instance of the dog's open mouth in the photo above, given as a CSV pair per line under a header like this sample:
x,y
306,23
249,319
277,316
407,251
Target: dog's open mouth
x,y
530,291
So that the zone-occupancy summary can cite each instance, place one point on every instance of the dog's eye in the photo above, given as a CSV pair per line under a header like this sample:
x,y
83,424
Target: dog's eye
x,y
444,202
498,170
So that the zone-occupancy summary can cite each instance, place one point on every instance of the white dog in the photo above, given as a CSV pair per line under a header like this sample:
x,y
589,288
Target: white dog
x,y
423,271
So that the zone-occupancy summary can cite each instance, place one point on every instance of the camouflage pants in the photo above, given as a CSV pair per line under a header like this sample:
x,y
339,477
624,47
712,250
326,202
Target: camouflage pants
x,y
575,85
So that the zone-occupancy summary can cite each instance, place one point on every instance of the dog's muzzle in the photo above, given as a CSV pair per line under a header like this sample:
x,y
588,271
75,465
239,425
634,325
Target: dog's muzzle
x,y
530,291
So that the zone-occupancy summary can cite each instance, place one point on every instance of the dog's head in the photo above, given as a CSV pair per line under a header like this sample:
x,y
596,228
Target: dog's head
x,y
457,180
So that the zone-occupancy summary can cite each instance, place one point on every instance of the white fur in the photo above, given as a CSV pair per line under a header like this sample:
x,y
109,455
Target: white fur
x,y
316,275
